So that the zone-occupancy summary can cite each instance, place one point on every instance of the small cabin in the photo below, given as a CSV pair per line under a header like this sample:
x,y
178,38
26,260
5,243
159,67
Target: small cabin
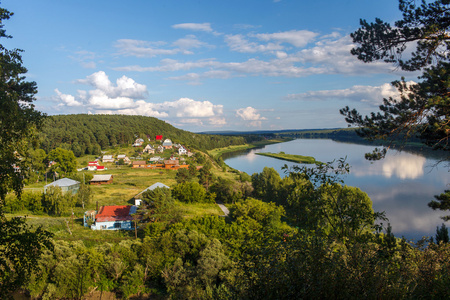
x,y
113,217
101,179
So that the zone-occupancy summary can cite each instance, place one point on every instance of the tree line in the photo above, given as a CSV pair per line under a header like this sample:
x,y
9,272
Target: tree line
x,y
89,134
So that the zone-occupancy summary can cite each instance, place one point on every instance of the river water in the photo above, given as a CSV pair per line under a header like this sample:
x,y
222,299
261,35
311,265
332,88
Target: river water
x,y
401,185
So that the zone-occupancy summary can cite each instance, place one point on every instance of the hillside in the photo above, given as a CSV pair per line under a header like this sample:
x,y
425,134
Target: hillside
x,y
89,134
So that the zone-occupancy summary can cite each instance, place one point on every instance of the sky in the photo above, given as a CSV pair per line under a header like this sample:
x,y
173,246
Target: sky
x,y
202,65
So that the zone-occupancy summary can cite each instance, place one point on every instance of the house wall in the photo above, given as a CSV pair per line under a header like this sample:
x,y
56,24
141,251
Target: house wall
x,y
124,225
138,166
101,182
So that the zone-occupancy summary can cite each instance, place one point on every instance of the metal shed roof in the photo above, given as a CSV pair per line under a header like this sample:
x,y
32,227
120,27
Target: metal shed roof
x,y
102,177
64,182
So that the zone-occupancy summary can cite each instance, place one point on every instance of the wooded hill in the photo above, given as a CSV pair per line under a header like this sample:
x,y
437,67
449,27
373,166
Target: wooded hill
x,y
89,134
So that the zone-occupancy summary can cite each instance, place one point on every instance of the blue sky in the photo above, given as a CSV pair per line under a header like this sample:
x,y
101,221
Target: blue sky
x,y
202,65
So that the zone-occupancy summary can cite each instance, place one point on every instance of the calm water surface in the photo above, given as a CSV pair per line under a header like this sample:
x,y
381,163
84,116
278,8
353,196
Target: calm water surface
x,y
401,185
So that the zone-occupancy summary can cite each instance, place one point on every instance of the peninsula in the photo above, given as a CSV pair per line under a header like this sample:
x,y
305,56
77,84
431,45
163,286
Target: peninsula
x,y
291,157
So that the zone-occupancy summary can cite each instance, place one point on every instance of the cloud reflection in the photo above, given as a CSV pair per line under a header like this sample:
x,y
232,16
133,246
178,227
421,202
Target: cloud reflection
x,y
408,166
401,165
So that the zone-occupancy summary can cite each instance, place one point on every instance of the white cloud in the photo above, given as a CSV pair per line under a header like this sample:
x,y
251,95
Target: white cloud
x,y
125,87
188,42
205,27
250,114
197,122
139,48
126,97
185,107
370,94
141,108
171,65
297,38
68,100
217,121
195,78
330,54
240,44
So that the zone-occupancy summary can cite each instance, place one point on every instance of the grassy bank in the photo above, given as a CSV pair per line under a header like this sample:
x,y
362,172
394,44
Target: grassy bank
x,y
291,157
216,153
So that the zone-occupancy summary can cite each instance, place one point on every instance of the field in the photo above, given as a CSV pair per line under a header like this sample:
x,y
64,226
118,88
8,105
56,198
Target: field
x,y
291,157
127,183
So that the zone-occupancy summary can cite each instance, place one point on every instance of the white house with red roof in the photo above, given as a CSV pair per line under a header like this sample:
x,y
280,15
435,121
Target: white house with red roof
x,y
113,217
92,165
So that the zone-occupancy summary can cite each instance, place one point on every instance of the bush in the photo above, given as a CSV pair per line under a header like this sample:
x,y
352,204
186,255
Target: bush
x,y
191,192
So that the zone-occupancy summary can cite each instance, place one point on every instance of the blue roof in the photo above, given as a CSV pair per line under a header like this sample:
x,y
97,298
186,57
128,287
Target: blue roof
x,y
152,187
64,182
157,185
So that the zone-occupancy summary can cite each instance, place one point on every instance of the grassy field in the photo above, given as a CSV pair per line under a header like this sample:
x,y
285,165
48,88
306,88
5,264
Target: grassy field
x,y
219,151
127,183
291,157
66,228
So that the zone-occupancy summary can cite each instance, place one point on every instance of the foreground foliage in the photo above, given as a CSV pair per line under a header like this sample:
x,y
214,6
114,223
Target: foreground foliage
x,y
422,109
20,245
335,250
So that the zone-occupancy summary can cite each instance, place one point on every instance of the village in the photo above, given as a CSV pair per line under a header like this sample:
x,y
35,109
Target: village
x,y
120,217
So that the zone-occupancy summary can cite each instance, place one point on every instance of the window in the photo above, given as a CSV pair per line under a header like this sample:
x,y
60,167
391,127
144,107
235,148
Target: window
x,y
117,225
103,227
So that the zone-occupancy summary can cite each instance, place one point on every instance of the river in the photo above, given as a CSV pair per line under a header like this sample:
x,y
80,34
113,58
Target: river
x,y
401,185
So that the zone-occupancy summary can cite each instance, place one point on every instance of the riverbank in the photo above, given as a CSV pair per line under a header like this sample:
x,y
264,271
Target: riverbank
x,y
218,152
291,157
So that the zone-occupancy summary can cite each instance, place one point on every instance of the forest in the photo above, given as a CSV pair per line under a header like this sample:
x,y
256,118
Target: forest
x,y
89,134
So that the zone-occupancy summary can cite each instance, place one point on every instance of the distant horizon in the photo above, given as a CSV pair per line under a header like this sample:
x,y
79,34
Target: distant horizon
x,y
203,66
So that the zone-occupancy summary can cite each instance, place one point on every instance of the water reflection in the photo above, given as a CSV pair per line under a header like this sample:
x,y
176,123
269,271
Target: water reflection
x,y
401,165
401,185
405,205
405,166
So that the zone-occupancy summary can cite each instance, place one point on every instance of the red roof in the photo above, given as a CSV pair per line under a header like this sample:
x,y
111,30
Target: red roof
x,y
93,163
114,213
100,167
159,137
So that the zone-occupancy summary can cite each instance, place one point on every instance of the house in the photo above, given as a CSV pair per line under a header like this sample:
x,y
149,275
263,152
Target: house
x,y
138,197
167,144
108,158
114,217
125,159
139,164
66,185
171,163
182,151
149,149
92,165
101,179
159,138
160,149
138,142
